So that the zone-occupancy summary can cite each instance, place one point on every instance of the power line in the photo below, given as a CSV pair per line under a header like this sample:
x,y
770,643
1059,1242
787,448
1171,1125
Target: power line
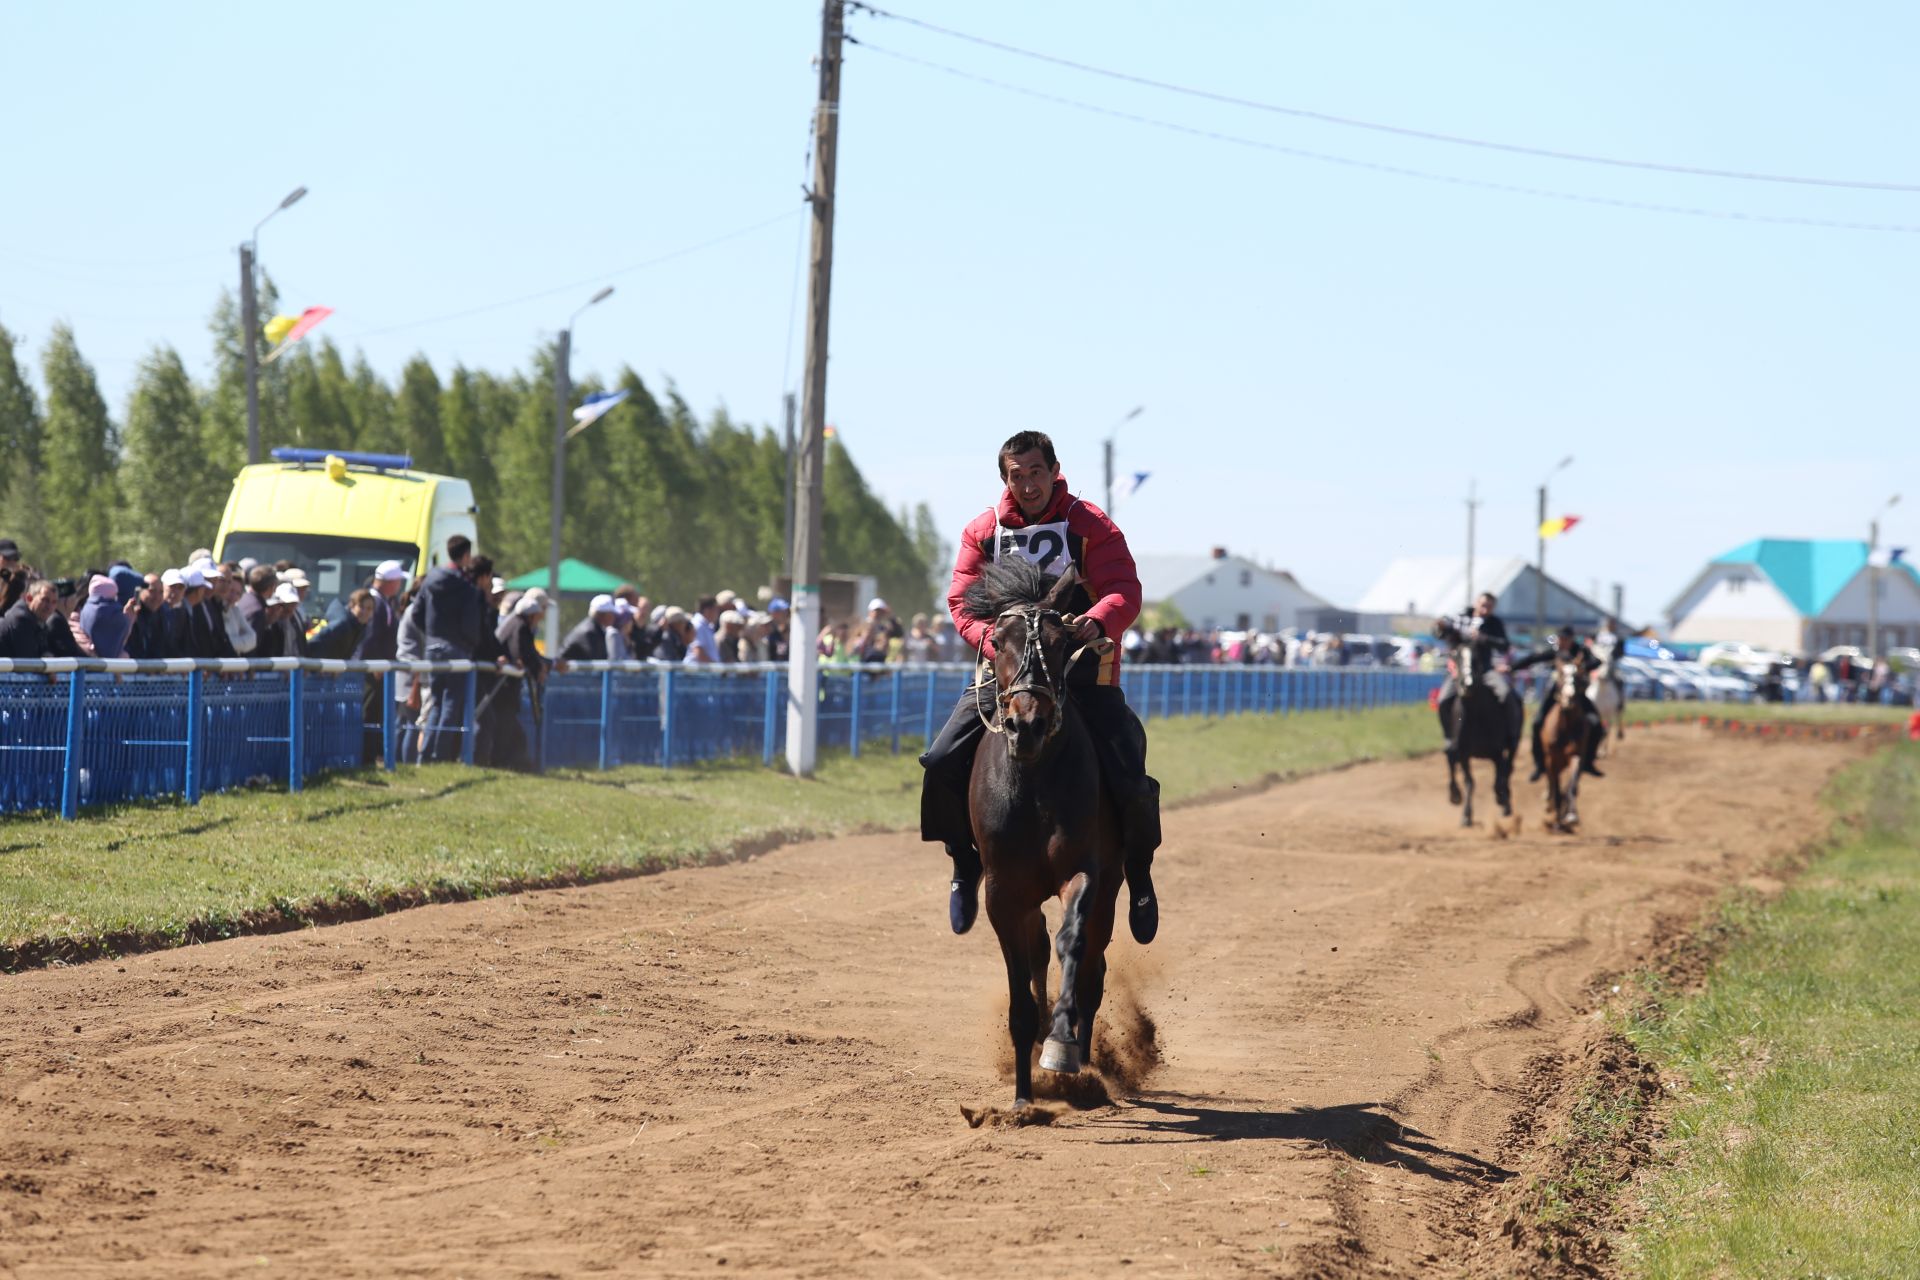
x,y
1730,215
597,278
1378,127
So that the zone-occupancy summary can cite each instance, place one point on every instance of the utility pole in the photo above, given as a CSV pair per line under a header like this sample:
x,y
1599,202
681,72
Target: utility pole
x,y
250,322
786,560
1619,606
803,659
1540,564
562,402
562,414
250,337
1473,508
1873,580
1106,449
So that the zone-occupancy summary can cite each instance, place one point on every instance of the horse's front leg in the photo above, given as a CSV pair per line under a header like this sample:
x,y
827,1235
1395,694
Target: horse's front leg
x,y
1062,1050
1453,783
1503,782
1466,808
1093,964
1023,1014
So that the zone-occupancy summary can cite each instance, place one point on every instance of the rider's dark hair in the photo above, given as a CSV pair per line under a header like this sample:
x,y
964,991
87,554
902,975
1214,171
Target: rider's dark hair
x,y
1003,585
1026,442
459,547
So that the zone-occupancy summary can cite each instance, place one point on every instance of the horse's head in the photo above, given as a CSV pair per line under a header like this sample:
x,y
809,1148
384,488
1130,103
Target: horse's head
x,y
1031,640
1566,679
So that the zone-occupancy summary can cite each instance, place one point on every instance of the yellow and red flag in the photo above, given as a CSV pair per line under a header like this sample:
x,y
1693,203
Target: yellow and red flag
x,y
284,331
1554,528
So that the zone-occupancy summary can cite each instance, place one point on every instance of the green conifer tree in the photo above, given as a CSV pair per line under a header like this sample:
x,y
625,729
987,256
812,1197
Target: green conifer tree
x,y
22,512
161,471
78,454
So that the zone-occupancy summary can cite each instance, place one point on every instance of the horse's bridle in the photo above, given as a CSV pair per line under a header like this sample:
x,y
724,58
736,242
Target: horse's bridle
x,y
1032,675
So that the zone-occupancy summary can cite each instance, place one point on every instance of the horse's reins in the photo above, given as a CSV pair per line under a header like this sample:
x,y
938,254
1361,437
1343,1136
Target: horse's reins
x,y
1032,675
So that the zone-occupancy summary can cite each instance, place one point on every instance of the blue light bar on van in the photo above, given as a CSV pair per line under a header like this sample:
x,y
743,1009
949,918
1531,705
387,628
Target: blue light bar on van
x,y
382,461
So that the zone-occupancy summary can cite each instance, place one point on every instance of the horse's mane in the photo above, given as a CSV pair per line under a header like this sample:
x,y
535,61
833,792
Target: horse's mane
x,y
1005,584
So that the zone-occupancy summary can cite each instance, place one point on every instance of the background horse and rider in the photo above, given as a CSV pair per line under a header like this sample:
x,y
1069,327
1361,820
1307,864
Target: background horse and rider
x,y
1480,717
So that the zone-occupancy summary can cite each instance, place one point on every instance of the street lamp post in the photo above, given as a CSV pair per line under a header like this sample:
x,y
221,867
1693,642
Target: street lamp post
x,y
563,402
1540,567
1107,449
1873,580
250,321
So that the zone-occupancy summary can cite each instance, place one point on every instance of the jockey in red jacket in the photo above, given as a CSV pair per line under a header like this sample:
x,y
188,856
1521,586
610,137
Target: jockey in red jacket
x,y
1038,519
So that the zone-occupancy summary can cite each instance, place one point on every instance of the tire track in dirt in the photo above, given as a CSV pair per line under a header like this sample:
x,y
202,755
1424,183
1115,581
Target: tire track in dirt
x,y
763,1064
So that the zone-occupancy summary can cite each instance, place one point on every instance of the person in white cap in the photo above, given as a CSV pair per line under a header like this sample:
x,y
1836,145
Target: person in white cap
x,y
517,633
380,641
733,626
277,634
587,642
197,633
877,634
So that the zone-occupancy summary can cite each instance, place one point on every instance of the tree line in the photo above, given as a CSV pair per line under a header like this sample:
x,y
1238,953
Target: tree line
x,y
681,505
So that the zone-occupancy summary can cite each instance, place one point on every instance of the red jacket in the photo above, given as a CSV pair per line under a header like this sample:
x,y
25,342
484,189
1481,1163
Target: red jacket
x,y
1094,544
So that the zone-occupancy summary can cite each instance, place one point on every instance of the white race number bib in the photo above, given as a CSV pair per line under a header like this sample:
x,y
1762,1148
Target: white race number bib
x,y
1043,545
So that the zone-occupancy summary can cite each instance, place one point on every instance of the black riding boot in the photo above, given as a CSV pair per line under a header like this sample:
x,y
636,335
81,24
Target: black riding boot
x,y
1141,830
963,893
1587,753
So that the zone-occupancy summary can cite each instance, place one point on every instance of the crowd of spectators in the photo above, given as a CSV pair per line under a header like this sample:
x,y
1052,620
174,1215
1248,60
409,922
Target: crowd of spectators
x,y
203,610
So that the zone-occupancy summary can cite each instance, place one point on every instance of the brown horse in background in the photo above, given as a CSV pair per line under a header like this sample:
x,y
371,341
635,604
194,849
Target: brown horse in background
x,y
1563,733
1044,825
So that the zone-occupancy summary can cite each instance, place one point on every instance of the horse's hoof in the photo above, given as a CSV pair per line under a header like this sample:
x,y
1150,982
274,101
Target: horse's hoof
x,y
1466,820
1061,1056
1453,793
1021,1104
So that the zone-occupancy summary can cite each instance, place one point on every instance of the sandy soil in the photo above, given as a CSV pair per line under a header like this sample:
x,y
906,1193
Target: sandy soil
x,y
762,1067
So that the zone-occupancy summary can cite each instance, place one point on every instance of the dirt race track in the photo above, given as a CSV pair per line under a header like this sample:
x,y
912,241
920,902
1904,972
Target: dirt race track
x,y
761,1067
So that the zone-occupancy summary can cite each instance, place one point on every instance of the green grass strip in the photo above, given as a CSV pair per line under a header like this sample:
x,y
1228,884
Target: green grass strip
x,y
160,873
1795,1138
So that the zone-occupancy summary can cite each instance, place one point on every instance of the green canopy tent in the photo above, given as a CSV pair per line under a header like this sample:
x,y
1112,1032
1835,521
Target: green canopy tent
x,y
577,578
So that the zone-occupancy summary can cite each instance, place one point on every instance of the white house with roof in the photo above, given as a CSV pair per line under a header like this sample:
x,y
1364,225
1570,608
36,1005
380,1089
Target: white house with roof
x,y
1414,590
1796,595
1228,591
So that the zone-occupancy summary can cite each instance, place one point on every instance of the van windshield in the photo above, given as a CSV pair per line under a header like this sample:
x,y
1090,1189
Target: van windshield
x,y
336,565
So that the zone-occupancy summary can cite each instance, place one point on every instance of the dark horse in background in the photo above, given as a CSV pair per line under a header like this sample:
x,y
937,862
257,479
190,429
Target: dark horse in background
x,y
1481,720
1044,825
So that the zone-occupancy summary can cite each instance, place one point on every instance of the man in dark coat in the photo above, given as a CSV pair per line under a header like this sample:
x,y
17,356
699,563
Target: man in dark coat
x,y
453,614
23,628
587,642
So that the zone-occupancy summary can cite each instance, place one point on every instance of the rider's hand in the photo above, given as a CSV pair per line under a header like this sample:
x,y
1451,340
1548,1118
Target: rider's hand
x,y
1086,631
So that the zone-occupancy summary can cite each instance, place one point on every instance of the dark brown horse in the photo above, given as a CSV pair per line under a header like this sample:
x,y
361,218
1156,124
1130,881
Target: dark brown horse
x,y
1044,825
1563,734
1480,721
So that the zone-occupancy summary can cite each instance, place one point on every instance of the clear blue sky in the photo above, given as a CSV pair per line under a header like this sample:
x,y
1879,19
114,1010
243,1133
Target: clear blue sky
x,y
1327,354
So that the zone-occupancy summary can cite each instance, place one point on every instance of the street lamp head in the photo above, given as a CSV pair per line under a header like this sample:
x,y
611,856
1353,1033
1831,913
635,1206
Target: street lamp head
x,y
1565,463
293,197
1137,411
1894,501
600,296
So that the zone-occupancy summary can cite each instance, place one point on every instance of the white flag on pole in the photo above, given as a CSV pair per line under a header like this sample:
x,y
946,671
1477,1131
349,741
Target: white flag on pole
x,y
593,408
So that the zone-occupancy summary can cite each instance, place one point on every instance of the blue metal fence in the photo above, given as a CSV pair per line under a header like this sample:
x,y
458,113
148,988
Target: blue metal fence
x,y
75,733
